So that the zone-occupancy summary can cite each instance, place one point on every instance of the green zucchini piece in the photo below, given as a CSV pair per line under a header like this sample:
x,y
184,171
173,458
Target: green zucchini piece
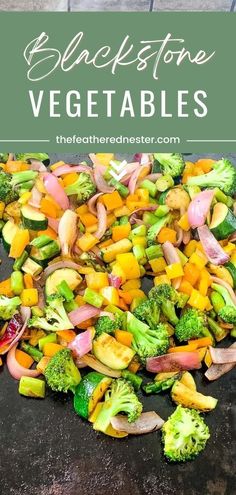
x,y
71,277
223,222
9,231
111,353
162,197
232,270
89,392
33,219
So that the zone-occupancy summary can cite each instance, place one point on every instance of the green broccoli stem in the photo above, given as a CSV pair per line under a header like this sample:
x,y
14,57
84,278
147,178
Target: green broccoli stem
x,y
19,262
122,190
65,291
17,283
20,178
233,333
164,182
32,351
150,186
218,332
154,251
134,379
139,253
48,339
41,241
32,387
149,218
168,310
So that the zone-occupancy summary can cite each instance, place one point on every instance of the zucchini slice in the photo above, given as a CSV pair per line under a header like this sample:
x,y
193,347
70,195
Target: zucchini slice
x,y
33,219
89,392
9,231
232,270
223,222
111,353
72,277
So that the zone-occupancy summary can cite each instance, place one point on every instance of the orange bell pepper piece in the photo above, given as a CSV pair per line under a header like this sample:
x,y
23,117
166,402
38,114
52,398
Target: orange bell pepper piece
x,y
19,243
24,359
124,337
67,335
28,281
5,288
50,232
166,234
112,200
191,273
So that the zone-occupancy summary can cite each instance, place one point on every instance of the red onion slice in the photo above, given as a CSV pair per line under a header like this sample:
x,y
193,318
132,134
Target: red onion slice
x,y
25,313
100,182
133,216
213,250
15,369
222,355
92,203
146,423
200,207
102,221
134,177
54,188
83,313
171,257
81,344
36,197
68,169
217,370
177,361
36,165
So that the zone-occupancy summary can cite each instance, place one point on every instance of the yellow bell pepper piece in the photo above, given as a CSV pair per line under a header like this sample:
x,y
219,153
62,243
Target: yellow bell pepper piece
x,y
229,248
207,359
203,286
56,165
197,301
139,241
202,353
110,219
87,241
158,264
70,178
129,264
84,270
122,211
184,223
24,198
143,194
199,259
51,348
110,295
91,229
161,279
93,416
190,248
88,219
112,200
118,271
105,158
97,280
81,210
2,208
109,253
131,284
121,232
174,270
29,297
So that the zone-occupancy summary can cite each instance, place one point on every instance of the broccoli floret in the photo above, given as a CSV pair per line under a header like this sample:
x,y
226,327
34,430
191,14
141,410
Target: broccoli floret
x,y
192,324
170,163
105,324
147,342
83,187
8,306
55,316
166,296
184,435
4,157
11,185
42,157
148,312
154,230
119,398
61,372
223,176
228,312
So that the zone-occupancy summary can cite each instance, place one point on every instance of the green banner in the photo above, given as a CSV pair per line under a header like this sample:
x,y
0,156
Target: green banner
x,y
118,82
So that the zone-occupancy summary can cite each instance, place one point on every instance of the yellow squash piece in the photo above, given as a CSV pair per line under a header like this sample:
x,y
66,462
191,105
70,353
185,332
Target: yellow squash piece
x,y
188,380
183,395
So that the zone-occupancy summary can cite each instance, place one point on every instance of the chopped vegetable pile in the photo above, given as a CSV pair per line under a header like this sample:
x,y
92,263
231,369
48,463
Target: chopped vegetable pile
x,y
74,315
